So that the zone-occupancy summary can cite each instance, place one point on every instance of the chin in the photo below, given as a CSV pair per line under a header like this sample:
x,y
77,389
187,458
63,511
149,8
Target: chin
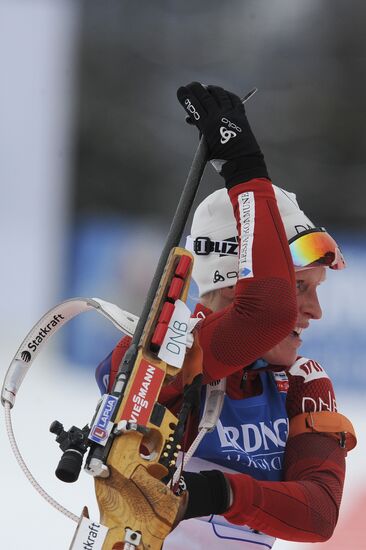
x,y
282,354
288,360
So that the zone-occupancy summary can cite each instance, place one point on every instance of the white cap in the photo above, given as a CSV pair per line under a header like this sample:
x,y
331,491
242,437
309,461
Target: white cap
x,y
214,218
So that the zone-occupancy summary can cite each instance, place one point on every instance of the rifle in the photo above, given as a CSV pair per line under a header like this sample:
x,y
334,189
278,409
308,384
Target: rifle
x,y
134,418
163,438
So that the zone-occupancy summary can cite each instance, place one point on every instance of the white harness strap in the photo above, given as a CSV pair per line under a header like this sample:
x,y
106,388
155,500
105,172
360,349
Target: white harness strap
x,y
215,394
214,401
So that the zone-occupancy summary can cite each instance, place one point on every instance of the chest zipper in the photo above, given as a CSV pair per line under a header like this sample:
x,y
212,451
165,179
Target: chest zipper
x,y
244,379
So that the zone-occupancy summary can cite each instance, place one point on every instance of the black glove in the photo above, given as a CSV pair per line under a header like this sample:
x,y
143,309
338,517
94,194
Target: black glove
x,y
208,493
220,116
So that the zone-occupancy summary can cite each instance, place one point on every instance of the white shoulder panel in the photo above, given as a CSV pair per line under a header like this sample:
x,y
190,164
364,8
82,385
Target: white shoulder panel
x,y
308,369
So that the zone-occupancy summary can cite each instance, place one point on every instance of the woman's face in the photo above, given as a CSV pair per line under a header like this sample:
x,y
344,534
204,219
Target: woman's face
x,y
308,307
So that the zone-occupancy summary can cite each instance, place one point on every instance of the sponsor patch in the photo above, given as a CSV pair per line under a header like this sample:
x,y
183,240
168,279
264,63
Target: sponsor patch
x,y
325,402
102,425
259,437
218,278
247,217
281,381
43,330
173,348
26,356
143,393
89,535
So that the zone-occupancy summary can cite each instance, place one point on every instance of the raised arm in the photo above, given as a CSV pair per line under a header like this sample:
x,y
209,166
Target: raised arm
x,y
264,309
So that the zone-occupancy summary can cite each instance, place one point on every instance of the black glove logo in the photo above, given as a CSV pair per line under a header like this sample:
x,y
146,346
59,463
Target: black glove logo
x,y
226,134
191,109
182,486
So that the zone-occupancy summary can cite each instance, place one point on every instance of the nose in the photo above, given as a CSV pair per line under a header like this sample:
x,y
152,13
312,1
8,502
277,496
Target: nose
x,y
311,306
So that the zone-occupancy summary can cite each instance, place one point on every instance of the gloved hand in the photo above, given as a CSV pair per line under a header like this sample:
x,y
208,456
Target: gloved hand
x,y
209,492
220,117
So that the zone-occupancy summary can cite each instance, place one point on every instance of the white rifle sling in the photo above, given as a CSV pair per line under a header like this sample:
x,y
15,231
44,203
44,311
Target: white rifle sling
x,y
32,345
47,326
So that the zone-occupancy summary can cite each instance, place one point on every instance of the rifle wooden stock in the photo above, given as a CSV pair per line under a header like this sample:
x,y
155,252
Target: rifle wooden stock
x,y
133,496
141,503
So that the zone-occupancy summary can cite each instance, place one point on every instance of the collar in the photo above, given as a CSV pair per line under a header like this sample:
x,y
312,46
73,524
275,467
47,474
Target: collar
x,y
201,311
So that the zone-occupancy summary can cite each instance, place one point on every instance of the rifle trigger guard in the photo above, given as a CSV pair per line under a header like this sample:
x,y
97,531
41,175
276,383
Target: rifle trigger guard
x,y
125,426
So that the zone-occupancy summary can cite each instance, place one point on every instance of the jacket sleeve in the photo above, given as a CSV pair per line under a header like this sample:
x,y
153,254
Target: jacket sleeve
x,y
264,309
304,507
